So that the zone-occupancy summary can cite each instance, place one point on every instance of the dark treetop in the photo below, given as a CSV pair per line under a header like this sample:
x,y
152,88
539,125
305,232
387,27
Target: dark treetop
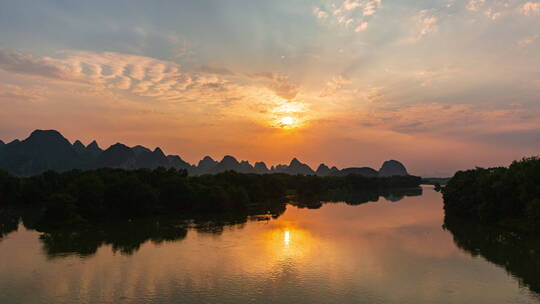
x,y
77,197
508,197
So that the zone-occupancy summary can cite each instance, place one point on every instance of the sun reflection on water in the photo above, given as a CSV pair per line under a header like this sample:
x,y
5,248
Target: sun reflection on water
x,y
285,241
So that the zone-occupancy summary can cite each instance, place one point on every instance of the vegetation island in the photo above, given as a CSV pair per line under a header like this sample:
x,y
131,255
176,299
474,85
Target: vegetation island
x,y
508,197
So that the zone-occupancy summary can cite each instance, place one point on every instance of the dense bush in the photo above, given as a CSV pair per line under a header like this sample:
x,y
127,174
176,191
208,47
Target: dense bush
x,y
76,196
504,196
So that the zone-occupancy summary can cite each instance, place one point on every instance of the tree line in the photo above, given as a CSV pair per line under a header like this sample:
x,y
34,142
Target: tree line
x,y
504,196
76,197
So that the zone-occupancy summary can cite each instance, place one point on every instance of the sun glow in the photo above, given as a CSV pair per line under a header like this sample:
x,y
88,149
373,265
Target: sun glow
x,y
288,115
287,121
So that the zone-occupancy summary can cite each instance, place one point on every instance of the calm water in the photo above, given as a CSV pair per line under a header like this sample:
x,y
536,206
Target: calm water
x,y
378,252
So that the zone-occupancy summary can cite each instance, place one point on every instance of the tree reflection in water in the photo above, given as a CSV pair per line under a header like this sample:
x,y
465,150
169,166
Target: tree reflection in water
x,y
353,198
127,236
518,254
9,221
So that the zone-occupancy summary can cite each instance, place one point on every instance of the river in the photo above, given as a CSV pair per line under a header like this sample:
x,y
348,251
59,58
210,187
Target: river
x,y
390,251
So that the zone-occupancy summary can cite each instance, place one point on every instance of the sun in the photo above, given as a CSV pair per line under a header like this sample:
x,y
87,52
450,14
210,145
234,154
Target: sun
x,y
288,116
287,121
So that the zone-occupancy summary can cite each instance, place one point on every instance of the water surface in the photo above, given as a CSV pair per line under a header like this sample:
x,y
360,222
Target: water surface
x,y
390,251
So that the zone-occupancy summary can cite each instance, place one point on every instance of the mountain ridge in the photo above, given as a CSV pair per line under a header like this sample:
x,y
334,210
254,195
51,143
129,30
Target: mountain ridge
x,y
49,150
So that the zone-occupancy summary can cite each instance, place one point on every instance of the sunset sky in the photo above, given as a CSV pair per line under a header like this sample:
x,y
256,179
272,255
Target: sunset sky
x,y
440,85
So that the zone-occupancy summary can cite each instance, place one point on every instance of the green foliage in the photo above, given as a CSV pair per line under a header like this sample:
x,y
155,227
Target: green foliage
x,y
533,214
9,188
61,211
497,195
75,197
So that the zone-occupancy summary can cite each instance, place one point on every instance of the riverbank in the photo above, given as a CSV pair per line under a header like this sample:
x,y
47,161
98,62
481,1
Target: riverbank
x,y
507,197
76,197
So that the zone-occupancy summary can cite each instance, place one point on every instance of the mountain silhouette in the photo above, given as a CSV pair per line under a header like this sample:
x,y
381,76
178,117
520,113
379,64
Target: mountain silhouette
x,y
295,167
42,150
227,163
48,150
177,162
209,166
79,147
364,171
323,170
246,167
151,159
93,149
261,168
140,149
117,156
206,165
392,168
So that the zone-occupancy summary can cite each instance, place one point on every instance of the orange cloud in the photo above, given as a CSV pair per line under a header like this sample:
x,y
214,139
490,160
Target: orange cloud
x,y
280,84
530,8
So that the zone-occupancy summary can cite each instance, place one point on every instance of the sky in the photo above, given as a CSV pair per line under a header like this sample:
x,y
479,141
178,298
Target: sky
x,y
439,85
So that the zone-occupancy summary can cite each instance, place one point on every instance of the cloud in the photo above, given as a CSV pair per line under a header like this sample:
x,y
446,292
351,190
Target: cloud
x,y
371,7
345,20
140,75
427,77
530,8
426,23
279,84
352,14
474,5
28,65
361,27
513,125
374,95
432,117
334,85
17,93
529,138
528,40
491,14
351,4
215,70
183,48
321,14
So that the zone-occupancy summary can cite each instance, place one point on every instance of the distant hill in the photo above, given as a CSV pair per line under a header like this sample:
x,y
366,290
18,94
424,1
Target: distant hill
x,y
261,168
365,171
294,167
48,150
323,170
41,151
392,168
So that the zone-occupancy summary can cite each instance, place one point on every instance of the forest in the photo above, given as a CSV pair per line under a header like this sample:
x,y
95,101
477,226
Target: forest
x,y
503,196
78,197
